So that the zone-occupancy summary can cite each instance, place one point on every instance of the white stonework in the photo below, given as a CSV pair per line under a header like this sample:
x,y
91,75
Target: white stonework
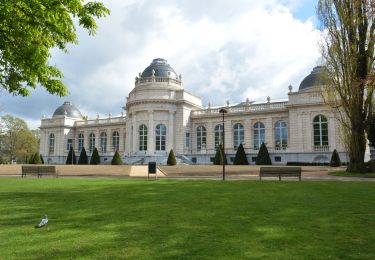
x,y
159,98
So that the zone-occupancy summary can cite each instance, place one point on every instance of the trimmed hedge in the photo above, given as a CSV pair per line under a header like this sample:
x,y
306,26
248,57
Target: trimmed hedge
x,y
83,157
95,158
171,158
263,157
218,160
116,160
71,158
240,158
335,159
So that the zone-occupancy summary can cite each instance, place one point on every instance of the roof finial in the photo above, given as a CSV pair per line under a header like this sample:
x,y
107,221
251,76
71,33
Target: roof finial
x,y
268,99
290,88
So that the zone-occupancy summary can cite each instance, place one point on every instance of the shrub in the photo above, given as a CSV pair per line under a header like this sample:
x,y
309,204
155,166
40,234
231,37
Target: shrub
x,y
95,158
335,159
218,157
83,157
41,159
35,159
263,157
71,159
371,131
116,159
171,158
31,159
240,158
371,165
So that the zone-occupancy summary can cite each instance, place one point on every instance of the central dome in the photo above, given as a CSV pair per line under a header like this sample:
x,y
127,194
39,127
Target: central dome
x,y
161,69
315,78
67,109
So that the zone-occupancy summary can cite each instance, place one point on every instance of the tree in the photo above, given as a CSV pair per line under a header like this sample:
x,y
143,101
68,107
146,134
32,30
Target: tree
x,y
71,158
263,157
335,159
29,30
218,160
36,159
95,158
83,157
240,158
31,159
171,158
348,52
116,160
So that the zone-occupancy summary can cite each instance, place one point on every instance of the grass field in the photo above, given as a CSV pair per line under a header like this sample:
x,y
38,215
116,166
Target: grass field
x,y
353,174
138,219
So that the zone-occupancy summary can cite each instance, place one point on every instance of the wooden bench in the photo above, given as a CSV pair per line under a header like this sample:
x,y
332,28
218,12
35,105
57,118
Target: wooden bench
x,y
285,171
39,170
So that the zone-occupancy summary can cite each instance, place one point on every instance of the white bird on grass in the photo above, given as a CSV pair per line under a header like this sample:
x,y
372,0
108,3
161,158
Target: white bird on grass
x,y
43,222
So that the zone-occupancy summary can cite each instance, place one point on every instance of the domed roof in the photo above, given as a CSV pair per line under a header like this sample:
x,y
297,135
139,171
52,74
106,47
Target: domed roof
x,y
161,68
315,78
67,109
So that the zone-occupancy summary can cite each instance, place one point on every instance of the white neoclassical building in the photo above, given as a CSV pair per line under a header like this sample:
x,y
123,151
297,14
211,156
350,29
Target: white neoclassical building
x,y
160,115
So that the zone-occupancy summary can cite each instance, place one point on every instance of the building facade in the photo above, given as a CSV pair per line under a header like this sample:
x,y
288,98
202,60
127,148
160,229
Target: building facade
x,y
160,115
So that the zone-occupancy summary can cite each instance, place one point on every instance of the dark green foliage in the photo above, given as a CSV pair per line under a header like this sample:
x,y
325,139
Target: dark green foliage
x,y
41,159
371,165
95,158
263,157
371,131
116,159
218,157
83,157
36,159
31,159
71,159
171,158
240,158
335,159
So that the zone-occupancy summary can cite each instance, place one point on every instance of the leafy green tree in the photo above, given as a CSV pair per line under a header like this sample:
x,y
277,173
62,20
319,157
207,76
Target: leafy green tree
x,y
240,158
116,160
71,158
30,30
171,158
218,157
95,158
335,159
83,157
263,157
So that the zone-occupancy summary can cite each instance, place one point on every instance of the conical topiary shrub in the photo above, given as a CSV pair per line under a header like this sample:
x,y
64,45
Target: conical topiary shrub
x,y
71,159
171,158
335,159
218,157
41,159
116,159
263,157
31,159
240,158
95,158
83,157
35,159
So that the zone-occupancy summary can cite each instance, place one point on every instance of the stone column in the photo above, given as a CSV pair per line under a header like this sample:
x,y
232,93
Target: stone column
x,y
170,130
128,146
134,133
151,133
269,131
248,134
210,144
331,133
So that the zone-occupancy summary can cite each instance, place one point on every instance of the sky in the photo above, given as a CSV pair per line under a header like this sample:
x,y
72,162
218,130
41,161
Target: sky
x,y
236,49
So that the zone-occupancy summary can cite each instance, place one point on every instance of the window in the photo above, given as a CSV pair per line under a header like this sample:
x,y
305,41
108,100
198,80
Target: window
x,y
81,141
187,140
160,133
238,135
259,135
51,143
218,135
115,141
320,125
201,138
281,135
69,144
103,142
277,158
143,138
194,160
91,142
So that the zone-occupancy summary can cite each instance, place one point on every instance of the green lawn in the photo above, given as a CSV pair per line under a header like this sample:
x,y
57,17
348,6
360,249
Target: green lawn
x,y
169,219
353,174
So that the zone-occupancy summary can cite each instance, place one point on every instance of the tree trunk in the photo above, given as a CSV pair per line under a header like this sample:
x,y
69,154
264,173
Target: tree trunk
x,y
357,145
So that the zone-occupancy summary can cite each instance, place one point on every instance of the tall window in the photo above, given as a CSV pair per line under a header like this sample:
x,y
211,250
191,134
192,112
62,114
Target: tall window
x,y
115,141
103,142
91,142
69,144
142,138
320,130
259,135
81,141
160,134
281,135
218,135
51,143
187,139
201,138
238,135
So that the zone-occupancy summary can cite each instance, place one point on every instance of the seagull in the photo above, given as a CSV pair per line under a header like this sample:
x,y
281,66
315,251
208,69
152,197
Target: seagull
x,y
43,222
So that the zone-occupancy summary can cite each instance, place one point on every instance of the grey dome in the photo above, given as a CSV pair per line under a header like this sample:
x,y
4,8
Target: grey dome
x,y
315,78
161,68
67,109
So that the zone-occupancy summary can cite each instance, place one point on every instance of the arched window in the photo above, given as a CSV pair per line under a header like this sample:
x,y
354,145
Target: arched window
x,y
259,134
51,143
320,124
115,141
81,141
238,135
218,135
143,138
201,138
91,142
281,135
103,142
160,134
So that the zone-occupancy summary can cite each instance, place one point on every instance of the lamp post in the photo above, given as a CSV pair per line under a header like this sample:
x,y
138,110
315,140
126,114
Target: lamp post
x,y
223,111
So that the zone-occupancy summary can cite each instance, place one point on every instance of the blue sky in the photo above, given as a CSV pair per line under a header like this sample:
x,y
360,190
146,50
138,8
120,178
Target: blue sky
x,y
236,49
